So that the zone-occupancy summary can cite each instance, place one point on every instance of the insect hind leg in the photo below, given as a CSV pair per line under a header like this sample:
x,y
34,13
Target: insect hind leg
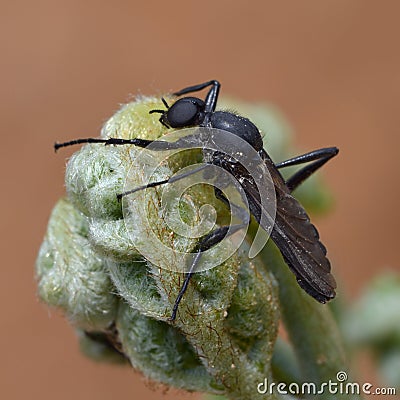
x,y
319,158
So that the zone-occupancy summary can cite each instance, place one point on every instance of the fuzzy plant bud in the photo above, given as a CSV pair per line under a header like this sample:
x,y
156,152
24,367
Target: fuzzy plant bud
x,y
99,265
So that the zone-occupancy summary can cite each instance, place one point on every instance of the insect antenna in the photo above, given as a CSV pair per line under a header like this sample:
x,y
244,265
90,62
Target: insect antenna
x,y
164,102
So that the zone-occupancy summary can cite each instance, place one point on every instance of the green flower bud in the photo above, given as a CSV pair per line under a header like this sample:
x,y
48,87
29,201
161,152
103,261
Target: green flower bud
x,y
71,275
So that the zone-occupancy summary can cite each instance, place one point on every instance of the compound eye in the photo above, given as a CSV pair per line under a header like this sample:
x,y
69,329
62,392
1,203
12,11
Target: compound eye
x,y
186,112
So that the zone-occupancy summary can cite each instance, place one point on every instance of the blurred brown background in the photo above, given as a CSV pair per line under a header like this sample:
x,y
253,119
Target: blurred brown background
x,y
332,67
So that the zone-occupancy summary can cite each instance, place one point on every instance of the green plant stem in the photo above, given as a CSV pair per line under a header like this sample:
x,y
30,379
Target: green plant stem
x,y
311,327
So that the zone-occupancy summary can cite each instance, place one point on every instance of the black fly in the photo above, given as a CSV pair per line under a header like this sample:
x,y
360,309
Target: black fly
x,y
293,233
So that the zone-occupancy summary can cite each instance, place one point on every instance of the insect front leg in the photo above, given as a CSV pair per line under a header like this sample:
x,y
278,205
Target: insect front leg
x,y
212,95
156,145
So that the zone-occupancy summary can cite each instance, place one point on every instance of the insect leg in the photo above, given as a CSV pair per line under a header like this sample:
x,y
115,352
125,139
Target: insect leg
x,y
184,286
327,152
196,88
212,95
208,241
240,212
157,145
159,183
109,141
320,157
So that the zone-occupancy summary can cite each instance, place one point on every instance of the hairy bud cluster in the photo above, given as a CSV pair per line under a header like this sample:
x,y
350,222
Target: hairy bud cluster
x,y
223,338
